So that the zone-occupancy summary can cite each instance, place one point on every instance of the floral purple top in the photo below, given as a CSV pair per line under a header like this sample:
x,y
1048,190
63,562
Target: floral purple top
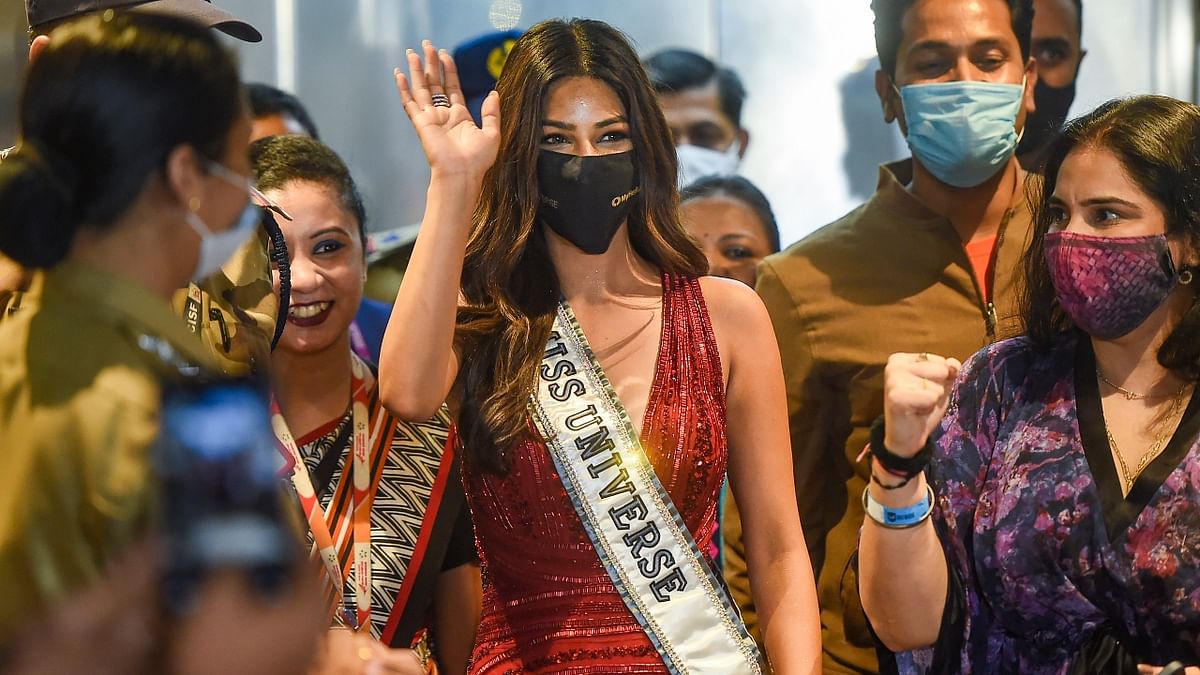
x,y
1047,558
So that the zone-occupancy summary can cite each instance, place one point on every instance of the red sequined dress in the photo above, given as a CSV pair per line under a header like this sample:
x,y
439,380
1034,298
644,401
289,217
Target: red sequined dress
x,y
549,605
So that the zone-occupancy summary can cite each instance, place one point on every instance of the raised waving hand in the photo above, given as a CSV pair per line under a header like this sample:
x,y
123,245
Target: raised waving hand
x,y
417,363
434,101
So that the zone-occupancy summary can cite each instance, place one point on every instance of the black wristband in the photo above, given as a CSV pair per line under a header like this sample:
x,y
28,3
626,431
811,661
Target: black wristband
x,y
902,467
895,486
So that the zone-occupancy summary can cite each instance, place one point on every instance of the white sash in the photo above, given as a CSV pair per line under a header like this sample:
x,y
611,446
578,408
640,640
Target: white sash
x,y
638,534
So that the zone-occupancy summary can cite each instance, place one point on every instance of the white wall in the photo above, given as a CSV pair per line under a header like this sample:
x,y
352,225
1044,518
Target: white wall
x,y
817,133
1135,47
815,122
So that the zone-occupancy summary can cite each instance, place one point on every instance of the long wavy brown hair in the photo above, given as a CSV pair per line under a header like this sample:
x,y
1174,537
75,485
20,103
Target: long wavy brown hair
x,y
509,283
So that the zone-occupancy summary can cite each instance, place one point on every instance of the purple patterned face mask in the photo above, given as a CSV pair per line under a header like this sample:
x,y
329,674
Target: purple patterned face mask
x,y
1110,285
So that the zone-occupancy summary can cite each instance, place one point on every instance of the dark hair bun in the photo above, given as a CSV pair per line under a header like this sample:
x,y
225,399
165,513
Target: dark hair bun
x,y
36,203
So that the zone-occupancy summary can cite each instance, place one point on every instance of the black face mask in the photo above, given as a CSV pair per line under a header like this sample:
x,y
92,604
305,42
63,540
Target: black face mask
x,y
585,199
1052,106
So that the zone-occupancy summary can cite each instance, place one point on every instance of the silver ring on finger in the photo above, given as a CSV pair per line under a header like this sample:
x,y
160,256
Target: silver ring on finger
x,y
440,100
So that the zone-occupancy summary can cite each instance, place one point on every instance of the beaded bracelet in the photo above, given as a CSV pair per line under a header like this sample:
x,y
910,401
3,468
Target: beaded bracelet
x,y
904,480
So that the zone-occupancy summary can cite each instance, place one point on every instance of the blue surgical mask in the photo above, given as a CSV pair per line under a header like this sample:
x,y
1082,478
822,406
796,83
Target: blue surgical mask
x,y
218,247
962,132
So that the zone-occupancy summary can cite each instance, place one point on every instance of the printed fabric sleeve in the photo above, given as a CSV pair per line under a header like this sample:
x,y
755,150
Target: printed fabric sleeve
x,y
964,445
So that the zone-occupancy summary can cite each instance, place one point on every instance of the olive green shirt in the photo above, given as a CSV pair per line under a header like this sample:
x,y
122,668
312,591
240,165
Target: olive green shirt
x,y
890,276
79,401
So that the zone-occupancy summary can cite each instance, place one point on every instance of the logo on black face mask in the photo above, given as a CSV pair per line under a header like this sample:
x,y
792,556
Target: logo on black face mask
x,y
573,188
619,200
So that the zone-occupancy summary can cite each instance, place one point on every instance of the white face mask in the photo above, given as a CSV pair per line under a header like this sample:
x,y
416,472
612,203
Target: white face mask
x,y
696,162
217,248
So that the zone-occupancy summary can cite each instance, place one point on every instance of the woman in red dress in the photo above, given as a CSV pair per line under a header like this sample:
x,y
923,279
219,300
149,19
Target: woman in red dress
x,y
692,359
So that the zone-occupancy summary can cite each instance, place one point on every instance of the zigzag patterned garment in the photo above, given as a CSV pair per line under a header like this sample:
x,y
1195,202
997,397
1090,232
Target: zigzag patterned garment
x,y
407,458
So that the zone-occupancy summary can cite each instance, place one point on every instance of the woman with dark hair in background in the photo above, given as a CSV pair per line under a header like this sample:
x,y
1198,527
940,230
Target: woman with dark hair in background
x,y
131,179
733,221
600,382
1054,526
421,572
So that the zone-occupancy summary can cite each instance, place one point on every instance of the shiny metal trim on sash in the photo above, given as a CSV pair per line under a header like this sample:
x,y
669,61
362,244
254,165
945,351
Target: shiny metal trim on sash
x,y
638,534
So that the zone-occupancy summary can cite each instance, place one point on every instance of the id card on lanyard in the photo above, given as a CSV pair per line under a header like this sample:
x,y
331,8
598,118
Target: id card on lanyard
x,y
360,505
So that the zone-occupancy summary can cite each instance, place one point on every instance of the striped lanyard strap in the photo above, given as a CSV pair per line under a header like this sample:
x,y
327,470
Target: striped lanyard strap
x,y
360,509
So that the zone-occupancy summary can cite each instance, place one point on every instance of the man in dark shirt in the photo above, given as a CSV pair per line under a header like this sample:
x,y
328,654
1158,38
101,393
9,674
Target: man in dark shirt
x,y
1057,35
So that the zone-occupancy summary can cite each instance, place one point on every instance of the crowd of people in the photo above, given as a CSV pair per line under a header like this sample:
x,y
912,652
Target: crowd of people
x,y
603,421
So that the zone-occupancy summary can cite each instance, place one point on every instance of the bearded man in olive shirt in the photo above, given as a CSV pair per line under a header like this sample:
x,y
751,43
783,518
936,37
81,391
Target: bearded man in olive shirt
x,y
929,263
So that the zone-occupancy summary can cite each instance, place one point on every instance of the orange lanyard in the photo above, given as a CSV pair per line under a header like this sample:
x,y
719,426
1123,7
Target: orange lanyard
x,y
318,524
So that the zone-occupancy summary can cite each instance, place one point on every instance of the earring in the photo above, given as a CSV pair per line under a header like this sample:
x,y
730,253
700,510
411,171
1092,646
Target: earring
x,y
1185,276
194,204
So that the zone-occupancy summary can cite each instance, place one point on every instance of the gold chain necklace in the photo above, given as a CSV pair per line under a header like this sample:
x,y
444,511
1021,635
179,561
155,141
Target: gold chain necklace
x,y
1133,395
1127,479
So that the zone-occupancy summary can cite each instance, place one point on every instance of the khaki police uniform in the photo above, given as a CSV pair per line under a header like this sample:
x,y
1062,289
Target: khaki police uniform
x,y
80,391
234,310
14,280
